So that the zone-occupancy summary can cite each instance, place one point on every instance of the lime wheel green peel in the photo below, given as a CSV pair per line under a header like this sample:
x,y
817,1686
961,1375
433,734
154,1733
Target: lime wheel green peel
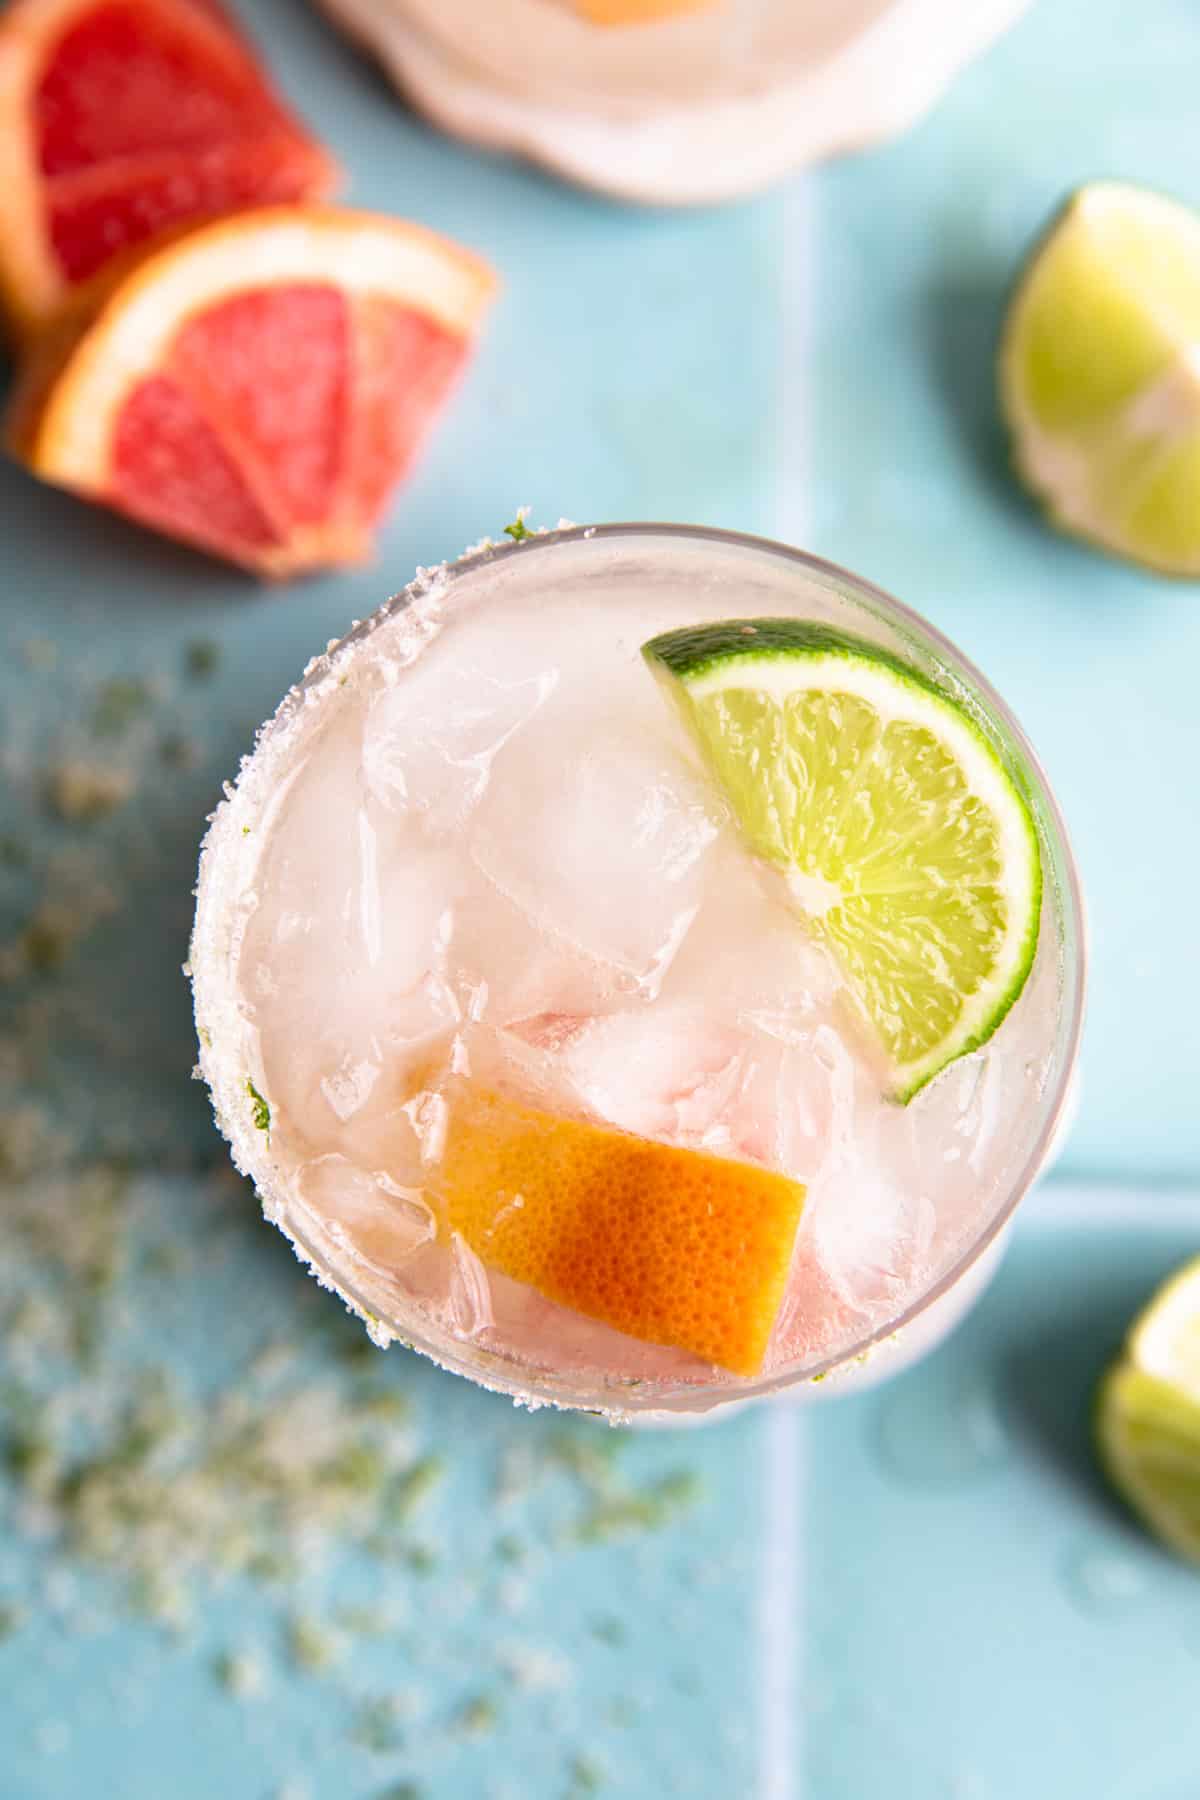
x,y
907,846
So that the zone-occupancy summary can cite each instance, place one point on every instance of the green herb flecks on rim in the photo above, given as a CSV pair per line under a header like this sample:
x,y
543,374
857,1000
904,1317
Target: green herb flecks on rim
x,y
906,843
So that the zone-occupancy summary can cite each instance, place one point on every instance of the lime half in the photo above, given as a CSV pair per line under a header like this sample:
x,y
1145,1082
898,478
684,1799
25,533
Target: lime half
x,y
1148,1417
1100,374
905,842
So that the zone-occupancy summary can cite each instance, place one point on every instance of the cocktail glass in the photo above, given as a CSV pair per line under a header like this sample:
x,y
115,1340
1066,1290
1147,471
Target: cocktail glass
x,y
475,823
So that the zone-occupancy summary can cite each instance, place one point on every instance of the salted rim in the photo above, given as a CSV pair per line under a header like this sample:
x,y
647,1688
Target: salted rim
x,y
230,847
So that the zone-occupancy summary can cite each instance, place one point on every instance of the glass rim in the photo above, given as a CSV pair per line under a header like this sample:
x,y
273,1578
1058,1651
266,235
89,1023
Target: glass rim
x,y
500,1373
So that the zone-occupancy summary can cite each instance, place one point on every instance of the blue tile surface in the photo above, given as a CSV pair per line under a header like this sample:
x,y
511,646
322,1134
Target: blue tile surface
x,y
982,1620
922,1591
916,251
585,1644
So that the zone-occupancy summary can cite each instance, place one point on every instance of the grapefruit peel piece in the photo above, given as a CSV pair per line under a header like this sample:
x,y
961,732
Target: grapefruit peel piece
x,y
671,1246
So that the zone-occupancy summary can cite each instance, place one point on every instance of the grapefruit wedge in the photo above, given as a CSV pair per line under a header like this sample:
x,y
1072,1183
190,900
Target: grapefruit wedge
x,y
259,385
120,119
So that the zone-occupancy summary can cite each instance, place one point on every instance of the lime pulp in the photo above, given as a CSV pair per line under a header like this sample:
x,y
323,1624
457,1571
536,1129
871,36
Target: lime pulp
x,y
906,843
1100,374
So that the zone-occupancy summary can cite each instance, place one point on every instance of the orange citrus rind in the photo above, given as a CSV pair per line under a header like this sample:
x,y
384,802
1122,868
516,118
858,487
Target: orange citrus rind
x,y
671,1246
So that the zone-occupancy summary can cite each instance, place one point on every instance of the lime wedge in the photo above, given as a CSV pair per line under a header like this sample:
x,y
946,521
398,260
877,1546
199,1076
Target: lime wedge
x,y
1100,374
1148,1414
1148,1434
905,842
1165,1339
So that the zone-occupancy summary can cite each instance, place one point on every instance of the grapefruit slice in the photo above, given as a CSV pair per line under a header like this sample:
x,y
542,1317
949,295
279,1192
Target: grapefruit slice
x,y
120,119
257,386
670,1246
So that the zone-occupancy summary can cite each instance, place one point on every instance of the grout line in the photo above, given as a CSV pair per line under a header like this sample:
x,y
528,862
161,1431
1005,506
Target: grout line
x,y
1059,1203
781,1624
781,1599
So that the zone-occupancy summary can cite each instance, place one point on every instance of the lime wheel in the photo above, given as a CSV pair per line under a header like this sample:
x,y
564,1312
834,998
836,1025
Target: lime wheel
x,y
906,843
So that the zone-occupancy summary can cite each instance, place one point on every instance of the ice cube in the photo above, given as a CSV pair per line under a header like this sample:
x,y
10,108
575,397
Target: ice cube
x,y
870,1230
470,1295
603,846
504,967
685,1075
544,1335
959,1111
347,944
867,1227
446,1279
665,1072
786,1110
944,1142
349,1087
747,950
868,1223
428,1115
429,744
371,1215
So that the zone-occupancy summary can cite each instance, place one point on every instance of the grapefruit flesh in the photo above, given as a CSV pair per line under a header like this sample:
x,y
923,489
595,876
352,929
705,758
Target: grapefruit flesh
x,y
171,470
126,118
405,365
274,366
90,220
259,386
